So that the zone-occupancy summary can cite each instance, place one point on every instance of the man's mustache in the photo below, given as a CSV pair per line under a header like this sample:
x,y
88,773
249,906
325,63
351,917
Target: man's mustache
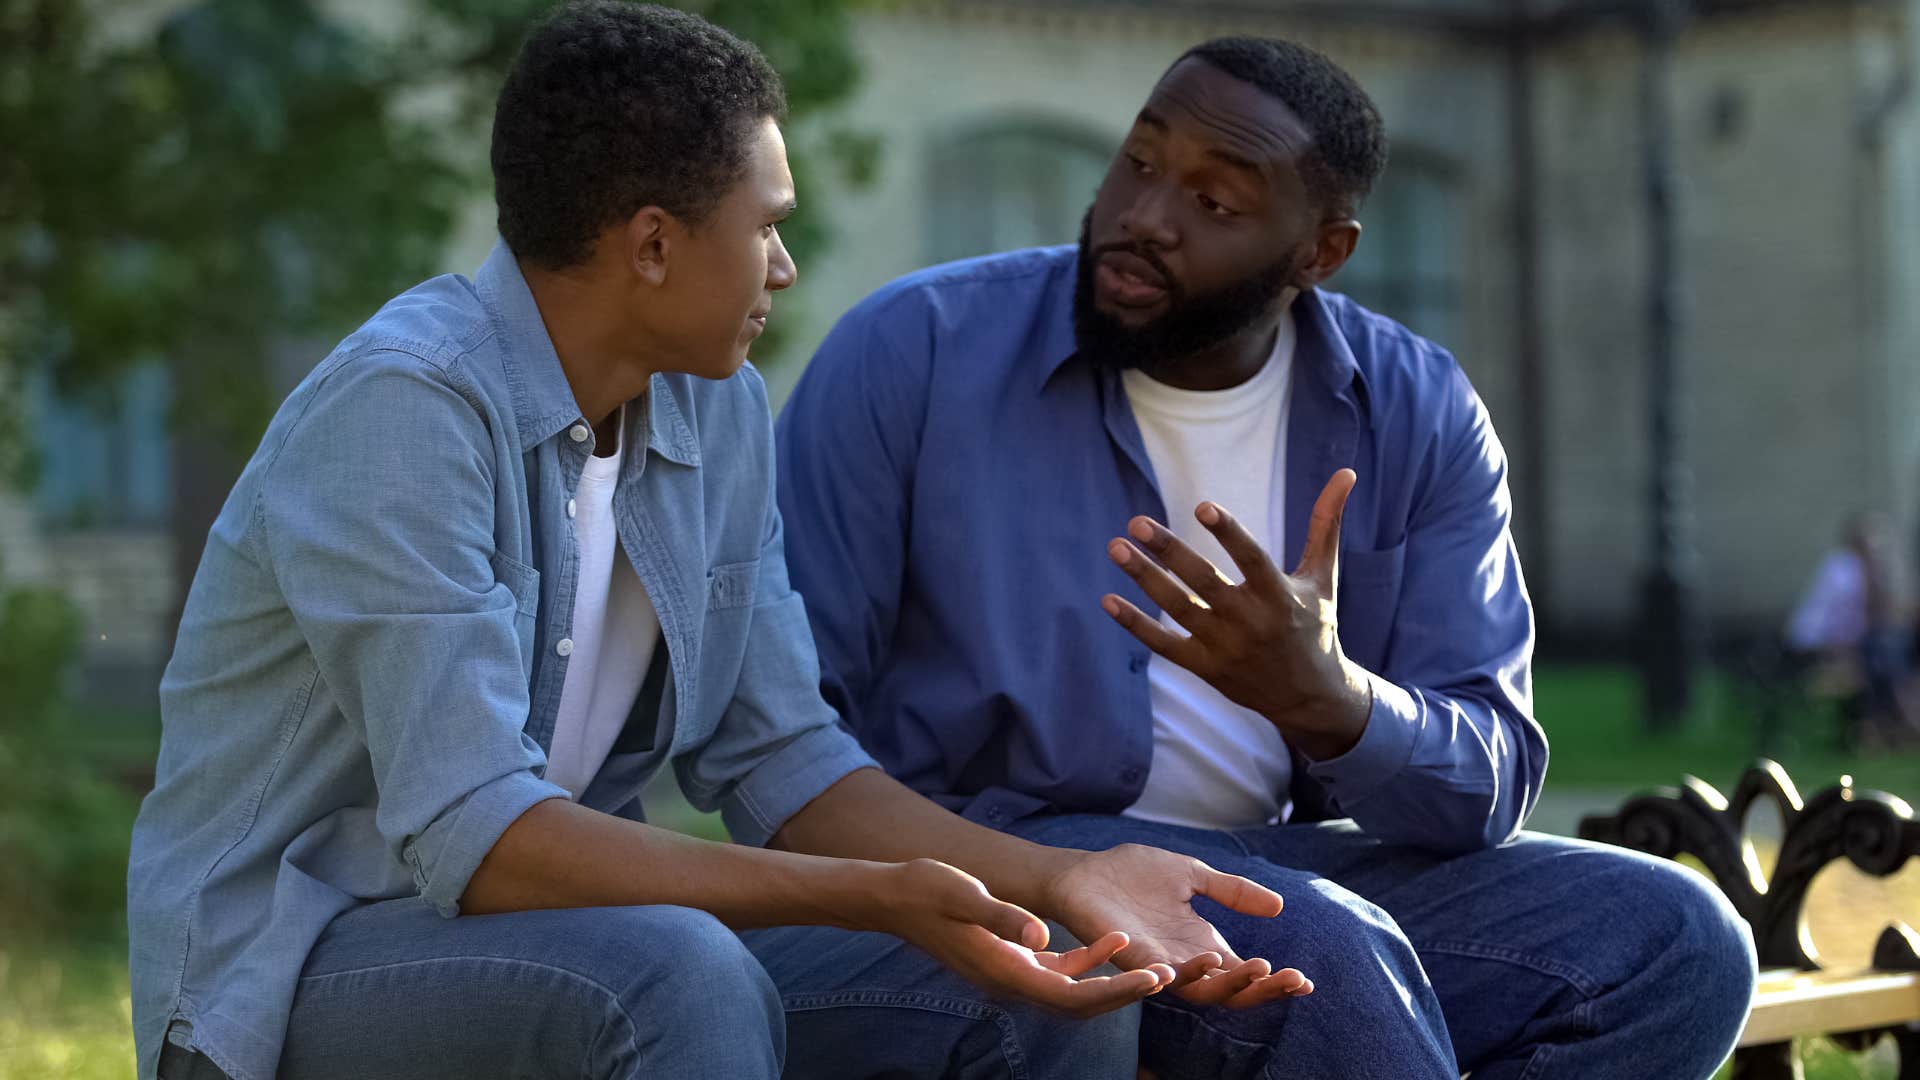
x,y
1146,255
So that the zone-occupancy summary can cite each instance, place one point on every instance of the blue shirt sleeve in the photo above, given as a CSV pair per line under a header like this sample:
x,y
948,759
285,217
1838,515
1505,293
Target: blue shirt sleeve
x,y
850,495
1452,759
376,518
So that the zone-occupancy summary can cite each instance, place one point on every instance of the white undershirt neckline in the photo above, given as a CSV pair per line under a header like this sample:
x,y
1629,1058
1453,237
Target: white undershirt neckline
x,y
1215,764
613,634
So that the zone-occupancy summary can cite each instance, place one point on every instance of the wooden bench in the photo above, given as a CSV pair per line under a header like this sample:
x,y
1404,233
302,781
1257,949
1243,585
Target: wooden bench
x,y
1797,995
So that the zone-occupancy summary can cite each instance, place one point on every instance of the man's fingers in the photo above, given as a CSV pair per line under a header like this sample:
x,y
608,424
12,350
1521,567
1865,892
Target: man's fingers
x,y
1194,970
1256,567
1221,986
1174,598
1282,984
1201,577
1320,558
1151,634
1243,895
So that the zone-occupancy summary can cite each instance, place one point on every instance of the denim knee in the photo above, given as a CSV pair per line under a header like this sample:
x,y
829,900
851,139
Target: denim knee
x,y
692,994
1367,977
1711,950
1322,925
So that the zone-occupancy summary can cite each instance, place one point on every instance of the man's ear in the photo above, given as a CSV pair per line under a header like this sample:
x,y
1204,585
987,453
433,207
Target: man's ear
x,y
1333,246
648,239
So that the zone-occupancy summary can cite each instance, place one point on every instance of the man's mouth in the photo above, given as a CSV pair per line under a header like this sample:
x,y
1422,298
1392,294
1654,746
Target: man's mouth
x,y
1129,281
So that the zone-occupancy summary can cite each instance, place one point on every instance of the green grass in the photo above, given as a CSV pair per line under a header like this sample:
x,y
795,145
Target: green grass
x,y
64,1011
1592,719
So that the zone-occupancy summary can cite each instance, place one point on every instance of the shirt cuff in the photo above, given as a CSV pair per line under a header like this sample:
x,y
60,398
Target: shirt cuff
x,y
445,856
1383,751
792,777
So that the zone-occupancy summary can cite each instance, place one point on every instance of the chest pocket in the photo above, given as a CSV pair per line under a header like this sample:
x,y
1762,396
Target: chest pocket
x,y
523,582
730,585
1369,598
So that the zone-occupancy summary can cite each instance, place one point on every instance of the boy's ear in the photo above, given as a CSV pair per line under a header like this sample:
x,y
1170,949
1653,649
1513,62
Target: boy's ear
x,y
649,241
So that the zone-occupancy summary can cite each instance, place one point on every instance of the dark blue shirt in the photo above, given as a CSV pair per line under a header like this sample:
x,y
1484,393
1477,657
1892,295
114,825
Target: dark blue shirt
x,y
950,473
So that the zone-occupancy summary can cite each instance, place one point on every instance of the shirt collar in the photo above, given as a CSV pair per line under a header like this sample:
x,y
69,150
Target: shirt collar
x,y
1319,346
543,401
668,433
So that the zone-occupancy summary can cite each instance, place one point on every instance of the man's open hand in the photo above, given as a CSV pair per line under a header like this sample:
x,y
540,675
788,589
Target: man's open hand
x,y
999,947
1149,893
1271,643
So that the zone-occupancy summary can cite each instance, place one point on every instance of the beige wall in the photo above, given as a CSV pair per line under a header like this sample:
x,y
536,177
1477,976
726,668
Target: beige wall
x,y
1796,386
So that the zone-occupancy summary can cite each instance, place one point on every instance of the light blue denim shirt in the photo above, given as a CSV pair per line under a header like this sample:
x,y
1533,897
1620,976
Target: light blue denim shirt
x,y
372,652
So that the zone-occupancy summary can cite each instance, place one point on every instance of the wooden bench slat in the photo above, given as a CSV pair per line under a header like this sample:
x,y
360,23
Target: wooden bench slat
x,y
1787,1003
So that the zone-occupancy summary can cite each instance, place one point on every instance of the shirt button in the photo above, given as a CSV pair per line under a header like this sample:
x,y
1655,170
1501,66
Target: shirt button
x,y
565,647
571,508
1136,662
579,433
996,815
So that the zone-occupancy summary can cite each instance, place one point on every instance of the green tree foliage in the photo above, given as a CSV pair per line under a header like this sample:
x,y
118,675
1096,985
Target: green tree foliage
x,y
63,830
250,173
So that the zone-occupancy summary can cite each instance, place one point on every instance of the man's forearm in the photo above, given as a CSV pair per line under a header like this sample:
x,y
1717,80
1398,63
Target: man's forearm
x,y
559,855
870,815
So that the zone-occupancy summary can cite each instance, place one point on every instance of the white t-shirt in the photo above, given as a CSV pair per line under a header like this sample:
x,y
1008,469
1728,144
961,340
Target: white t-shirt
x,y
1215,764
614,632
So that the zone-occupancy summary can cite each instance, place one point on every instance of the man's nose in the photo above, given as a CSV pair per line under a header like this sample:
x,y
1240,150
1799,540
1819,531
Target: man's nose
x,y
781,271
1146,220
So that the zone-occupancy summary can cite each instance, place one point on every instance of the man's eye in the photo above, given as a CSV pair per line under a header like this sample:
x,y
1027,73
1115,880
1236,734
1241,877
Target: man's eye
x,y
1215,208
1139,166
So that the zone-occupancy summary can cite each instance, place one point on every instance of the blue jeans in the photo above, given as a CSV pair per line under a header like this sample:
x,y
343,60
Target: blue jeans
x,y
1543,957
394,990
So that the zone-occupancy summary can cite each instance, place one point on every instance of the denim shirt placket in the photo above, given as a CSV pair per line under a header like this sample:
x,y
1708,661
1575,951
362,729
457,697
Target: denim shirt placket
x,y
559,455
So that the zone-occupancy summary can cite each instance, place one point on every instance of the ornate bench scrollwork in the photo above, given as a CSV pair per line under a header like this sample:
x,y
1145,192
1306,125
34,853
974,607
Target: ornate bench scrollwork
x,y
1873,830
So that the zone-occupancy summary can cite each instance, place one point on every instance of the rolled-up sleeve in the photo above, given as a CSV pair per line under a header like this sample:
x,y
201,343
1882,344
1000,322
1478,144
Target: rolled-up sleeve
x,y
1452,759
377,517
778,744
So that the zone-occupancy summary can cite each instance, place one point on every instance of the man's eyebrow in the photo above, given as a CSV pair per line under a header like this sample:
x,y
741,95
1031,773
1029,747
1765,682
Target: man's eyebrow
x,y
1148,118
1238,161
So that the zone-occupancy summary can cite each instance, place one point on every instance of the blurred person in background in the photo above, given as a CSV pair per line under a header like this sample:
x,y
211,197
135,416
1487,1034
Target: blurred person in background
x,y
508,550
1853,630
1041,506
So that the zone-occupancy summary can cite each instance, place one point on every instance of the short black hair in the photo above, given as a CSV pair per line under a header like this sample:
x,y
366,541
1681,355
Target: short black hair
x,y
1349,140
613,106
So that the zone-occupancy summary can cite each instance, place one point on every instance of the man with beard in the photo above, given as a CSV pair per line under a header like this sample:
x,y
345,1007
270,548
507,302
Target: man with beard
x,y
397,827
1356,734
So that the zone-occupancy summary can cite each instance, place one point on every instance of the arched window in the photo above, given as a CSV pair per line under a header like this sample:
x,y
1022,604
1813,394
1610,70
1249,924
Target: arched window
x,y
1408,264
1011,184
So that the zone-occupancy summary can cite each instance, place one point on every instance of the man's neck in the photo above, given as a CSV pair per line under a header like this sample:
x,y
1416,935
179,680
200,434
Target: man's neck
x,y
600,366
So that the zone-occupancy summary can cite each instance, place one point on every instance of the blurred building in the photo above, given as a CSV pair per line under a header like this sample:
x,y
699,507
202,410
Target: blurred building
x,y
1512,226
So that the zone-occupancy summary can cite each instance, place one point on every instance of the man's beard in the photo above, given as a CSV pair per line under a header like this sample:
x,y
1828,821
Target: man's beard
x,y
1190,325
